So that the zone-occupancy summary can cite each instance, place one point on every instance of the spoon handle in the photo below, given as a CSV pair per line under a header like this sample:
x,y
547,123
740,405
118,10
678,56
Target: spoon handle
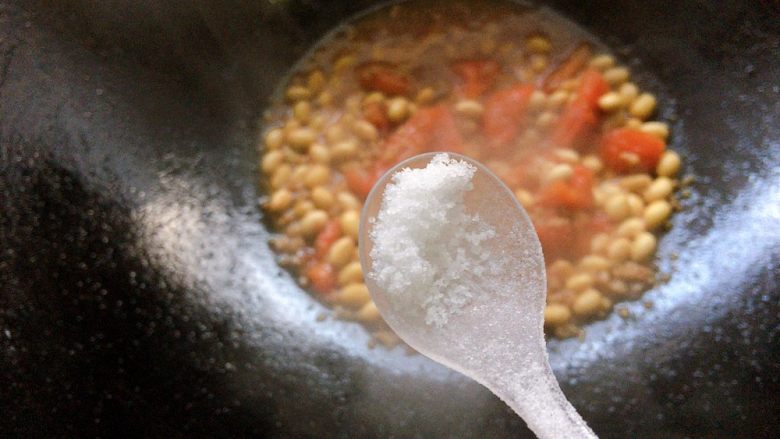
x,y
538,399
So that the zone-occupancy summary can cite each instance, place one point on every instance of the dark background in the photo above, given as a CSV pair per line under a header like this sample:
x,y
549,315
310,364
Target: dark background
x,y
138,296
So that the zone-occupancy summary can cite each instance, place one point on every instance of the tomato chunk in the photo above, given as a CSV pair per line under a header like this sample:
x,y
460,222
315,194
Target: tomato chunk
x,y
629,150
477,76
382,76
592,87
376,113
556,235
361,180
504,112
576,193
327,236
322,277
581,117
568,68
429,129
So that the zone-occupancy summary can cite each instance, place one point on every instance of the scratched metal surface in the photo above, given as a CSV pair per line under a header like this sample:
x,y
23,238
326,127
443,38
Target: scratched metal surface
x,y
138,295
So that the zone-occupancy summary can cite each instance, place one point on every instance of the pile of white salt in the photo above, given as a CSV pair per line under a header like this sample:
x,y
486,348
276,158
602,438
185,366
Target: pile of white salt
x,y
428,250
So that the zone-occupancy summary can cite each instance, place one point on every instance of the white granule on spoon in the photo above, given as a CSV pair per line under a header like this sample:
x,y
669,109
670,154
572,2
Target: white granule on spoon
x,y
428,251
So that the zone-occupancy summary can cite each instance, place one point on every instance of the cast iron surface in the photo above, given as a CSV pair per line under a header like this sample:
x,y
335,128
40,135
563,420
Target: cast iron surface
x,y
138,296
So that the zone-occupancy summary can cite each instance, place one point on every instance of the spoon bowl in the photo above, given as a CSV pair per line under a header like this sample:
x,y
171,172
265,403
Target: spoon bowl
x,y
498,338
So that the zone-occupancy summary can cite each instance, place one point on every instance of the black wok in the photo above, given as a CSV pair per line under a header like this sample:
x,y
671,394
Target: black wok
x,y
138,296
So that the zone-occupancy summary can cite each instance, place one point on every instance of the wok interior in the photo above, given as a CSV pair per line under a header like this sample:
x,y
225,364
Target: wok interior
x,y
140,296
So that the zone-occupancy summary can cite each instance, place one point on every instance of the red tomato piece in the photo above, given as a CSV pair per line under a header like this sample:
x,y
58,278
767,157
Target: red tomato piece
x,y
430,128
592,87
556,235
568,68
627,150
575,124
376,113
504,112
576,193
327,236
477,76
322,277
580,118
382,76
361,180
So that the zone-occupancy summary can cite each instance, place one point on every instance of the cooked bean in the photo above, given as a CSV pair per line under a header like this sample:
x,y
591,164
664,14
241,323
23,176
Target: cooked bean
x,y
271,161
322,197
397,109
537,100
656,213
425,96
524,197
634,123
344,150
602,62
636,182
594,263
301,138
658,129
643,246
365,130
281,176
344,62
302,111
368,313
350,222
558,98
348,201
319,153
299,174
619,250
313,221
616,75
316,80
274,138
556,314
335,134
470,108
635,204
280,200
587,303
351,273
298,92
538,63
560,171
374,98
545,119
341,251
593,163
617,207
611,101
599,243
354,295
643,106
630,228
669,164
579,282
659,189
629,91
538,44
317,175
325,98
567,155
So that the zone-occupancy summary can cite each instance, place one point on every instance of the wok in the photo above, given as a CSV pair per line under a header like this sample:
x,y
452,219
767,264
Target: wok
x,y
140,298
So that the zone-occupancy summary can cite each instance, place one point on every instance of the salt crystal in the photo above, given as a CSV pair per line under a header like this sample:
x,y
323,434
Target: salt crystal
x,y
424,240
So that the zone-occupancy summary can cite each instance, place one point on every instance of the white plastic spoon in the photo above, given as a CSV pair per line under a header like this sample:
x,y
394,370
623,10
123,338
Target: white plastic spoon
x,y
497,339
